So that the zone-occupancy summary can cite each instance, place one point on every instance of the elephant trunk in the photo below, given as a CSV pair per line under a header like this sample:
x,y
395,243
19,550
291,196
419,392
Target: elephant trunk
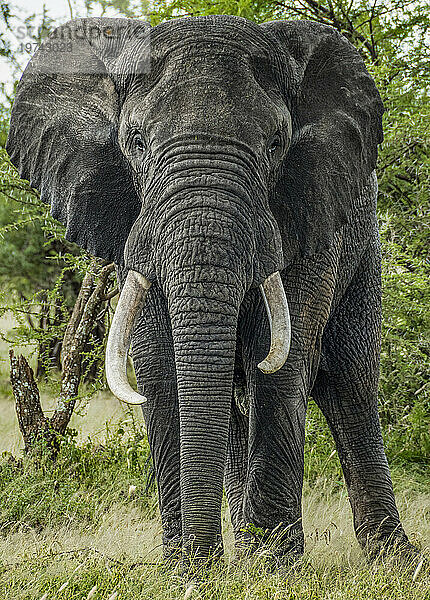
x,y
204,322
204,280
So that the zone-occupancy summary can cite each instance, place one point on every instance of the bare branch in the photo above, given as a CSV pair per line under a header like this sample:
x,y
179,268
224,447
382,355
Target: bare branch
x,y
72,360
32,421
111,294
328,16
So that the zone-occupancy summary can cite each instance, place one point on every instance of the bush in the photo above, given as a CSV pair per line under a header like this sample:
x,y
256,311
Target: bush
x,y
80,486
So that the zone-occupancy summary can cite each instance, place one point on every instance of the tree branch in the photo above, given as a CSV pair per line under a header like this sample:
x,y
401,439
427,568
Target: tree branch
x,y
32,422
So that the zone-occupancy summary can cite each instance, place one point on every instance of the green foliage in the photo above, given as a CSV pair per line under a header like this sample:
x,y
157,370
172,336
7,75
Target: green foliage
x,y
405,356
29,235
254,10
402,76
83,483
322,466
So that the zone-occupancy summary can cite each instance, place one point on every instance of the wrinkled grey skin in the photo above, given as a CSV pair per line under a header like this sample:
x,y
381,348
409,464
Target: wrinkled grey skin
x,y
245,149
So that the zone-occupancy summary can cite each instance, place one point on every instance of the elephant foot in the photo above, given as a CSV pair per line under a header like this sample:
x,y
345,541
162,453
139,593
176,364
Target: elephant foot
x,y
288,565
279,548
194,566
393,547
172,551
399,553
172,539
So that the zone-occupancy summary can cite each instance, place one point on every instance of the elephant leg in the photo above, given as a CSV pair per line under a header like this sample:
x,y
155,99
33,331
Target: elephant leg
x,y
236,470
275,470
273,494
274,473
346,392
155,372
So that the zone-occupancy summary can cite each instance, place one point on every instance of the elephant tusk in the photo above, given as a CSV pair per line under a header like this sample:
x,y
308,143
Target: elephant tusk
x,y
130,304
279,317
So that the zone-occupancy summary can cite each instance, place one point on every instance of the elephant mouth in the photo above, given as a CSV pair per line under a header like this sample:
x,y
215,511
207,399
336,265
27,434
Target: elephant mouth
x,y
131,303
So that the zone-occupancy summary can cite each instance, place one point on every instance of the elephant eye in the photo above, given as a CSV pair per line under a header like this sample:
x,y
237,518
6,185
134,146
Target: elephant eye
x,y
274,144
138,143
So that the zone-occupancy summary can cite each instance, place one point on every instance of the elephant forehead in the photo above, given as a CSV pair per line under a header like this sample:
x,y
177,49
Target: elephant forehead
x,y
195,32
212,91
187,38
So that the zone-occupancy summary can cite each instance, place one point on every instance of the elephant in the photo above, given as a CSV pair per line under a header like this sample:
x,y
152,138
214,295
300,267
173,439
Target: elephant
x,y
228,169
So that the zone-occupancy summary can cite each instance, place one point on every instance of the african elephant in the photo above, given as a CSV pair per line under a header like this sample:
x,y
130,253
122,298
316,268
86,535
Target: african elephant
x,y
225,167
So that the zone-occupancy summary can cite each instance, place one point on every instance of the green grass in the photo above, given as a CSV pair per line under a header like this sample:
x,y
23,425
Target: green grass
x,y
117,548
225,582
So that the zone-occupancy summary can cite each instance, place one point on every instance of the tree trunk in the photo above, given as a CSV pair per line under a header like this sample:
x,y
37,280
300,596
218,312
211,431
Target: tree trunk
x,y
33,424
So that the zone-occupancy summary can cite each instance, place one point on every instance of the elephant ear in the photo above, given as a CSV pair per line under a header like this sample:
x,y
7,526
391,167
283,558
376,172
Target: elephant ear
x,y
63,133
337,125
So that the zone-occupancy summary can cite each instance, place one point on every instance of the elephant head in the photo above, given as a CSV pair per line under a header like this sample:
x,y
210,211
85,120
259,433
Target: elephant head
x,y
208,169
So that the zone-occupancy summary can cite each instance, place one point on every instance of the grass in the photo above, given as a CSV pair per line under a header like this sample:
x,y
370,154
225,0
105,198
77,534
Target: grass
x,y
106,555
104,552
69,527
76,576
